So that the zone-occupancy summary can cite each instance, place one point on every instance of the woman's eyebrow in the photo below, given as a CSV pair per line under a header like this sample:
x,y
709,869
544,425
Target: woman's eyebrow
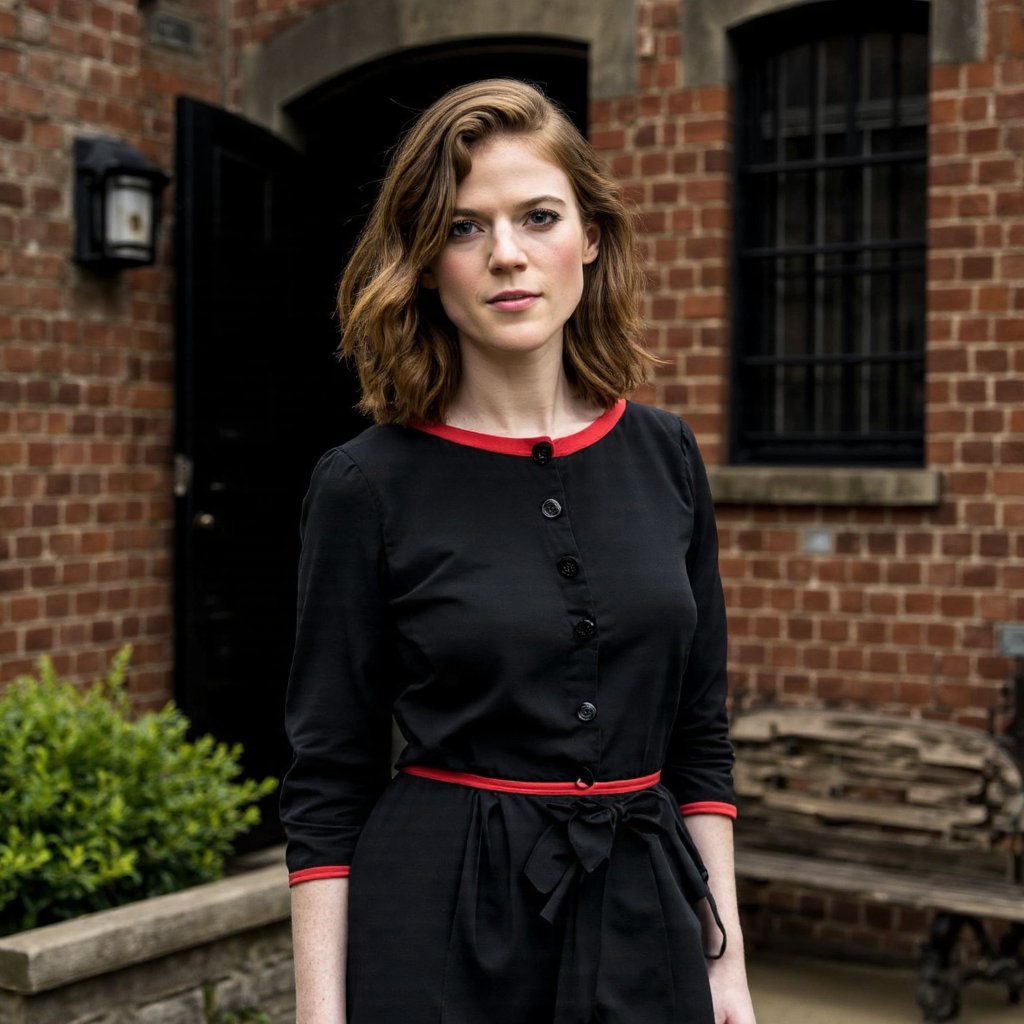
x,y
465,211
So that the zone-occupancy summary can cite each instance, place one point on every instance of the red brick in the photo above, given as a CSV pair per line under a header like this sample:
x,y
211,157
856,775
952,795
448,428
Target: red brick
x,y
972,204
974,108
1009,105
983,140
958,236
999,172
980,76
946,77
951,173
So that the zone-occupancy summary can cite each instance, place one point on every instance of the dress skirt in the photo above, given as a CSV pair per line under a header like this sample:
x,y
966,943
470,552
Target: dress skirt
x,y
470,906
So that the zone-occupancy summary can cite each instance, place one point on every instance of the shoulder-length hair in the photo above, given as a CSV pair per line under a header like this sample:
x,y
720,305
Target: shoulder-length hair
x,y
403,345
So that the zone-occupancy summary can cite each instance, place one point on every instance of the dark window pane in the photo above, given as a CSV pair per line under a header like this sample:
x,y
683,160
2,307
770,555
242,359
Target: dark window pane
x,y
910,336
796,114
912,211
914,65
793,339
793,204
880,183
878,66
837,78
833,186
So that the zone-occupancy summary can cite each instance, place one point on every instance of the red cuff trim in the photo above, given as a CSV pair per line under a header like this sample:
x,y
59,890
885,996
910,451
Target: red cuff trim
x,y
310,874
708,807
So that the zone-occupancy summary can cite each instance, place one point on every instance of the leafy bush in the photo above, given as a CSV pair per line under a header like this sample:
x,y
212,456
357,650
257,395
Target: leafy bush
x,y
98,809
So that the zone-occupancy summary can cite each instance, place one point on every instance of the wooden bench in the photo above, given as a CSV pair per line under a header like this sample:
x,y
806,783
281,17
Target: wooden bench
x,y
910,812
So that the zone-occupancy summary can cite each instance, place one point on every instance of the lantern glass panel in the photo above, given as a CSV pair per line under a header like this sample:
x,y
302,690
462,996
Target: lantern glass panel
x,y
129,219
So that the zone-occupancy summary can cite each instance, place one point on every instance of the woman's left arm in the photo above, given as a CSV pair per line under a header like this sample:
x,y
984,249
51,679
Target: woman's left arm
x,y
728,975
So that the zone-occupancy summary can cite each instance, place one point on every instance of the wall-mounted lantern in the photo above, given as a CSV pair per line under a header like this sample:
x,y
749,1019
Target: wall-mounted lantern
x,y
117,205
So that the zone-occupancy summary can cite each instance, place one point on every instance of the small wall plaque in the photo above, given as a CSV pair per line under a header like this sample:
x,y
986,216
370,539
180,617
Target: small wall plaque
x,y
1010,639
819,542
172,32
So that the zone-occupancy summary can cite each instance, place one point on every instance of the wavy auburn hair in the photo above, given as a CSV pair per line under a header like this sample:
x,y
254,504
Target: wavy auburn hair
x,y
403,345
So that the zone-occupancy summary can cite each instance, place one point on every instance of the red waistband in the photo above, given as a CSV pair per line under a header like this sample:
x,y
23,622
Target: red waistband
x,y
577,788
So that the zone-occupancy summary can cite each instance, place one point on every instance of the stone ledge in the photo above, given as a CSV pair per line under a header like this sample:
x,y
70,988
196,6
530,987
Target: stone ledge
x,y
824,485
58,954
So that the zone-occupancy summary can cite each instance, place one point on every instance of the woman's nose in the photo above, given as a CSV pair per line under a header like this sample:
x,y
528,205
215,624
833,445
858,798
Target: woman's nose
x,y
506,251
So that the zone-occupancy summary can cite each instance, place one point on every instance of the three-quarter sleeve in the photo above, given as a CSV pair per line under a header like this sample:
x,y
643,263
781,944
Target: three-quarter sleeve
x,y
698,767
337,714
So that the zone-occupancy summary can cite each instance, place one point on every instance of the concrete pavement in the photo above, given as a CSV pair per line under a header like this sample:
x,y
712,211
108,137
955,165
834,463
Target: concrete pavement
x,y
802,990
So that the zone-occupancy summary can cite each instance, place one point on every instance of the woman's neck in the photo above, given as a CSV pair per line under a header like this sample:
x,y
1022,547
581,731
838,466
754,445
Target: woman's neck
x,y
518,397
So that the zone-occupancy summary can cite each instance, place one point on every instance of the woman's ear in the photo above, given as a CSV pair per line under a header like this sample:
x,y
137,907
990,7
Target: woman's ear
x,y
591,241
427,278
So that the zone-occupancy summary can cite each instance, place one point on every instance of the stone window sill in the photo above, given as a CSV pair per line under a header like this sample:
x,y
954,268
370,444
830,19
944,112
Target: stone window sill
x,y
824,485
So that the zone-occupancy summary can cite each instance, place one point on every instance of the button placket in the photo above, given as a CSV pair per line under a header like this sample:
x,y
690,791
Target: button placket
x,y
580,679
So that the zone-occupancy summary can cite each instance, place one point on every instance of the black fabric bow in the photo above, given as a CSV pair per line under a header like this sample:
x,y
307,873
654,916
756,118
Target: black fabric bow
x,y
569,865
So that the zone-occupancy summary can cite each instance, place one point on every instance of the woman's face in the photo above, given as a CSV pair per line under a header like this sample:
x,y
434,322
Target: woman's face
x,y
511,271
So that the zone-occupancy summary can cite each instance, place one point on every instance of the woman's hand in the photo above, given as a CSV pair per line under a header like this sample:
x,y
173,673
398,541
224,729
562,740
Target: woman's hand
x,y
728,976
729,991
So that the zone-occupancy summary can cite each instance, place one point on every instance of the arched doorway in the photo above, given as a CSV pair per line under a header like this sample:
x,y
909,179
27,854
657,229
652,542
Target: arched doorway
x,y
263,232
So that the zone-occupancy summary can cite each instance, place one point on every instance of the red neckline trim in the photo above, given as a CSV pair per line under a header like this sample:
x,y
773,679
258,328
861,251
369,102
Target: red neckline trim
x,y
524,445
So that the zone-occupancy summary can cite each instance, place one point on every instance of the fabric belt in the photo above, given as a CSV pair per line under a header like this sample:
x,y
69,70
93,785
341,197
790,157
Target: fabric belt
x,y
577,788
568,866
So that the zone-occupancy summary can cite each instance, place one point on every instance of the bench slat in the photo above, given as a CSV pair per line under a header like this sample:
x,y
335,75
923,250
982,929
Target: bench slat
x,y
1001,900
831,810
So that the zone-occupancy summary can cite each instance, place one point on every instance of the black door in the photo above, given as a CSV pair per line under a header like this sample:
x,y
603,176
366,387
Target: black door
x,y
259,397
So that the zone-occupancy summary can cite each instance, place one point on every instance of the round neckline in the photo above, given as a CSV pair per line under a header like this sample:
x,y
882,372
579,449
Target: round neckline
x,y
524,445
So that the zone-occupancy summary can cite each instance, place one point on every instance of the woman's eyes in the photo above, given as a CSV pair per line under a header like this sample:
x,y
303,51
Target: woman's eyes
x,y
533,219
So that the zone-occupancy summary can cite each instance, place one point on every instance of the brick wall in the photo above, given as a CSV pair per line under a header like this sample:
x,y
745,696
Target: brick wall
x,y
903,614
86,364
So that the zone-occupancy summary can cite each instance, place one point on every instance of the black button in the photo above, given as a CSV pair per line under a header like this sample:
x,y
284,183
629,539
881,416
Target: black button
x,y
568,567
584,629
542,452
585,779
586,712
550,509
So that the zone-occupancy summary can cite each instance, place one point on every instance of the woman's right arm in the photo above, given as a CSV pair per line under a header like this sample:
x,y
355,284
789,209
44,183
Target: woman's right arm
x,y
338,720
319,938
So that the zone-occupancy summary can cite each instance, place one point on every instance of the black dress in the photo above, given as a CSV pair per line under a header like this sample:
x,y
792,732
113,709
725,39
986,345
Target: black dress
x,y
534,610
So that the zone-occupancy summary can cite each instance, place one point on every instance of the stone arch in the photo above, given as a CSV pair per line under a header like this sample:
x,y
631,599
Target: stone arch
x,y
957,33
345,35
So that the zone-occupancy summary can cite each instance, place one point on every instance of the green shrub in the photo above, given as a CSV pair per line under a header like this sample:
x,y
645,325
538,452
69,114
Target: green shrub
x,y
99,809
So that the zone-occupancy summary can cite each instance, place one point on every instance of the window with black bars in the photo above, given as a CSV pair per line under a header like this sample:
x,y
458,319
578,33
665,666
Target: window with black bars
x,y
831,209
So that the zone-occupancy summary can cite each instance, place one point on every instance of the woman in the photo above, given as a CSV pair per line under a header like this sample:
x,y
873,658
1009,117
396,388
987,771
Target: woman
x,y
521,567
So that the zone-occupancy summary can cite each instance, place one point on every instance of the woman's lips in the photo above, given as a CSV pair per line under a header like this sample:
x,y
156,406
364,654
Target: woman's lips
x,y
512,302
